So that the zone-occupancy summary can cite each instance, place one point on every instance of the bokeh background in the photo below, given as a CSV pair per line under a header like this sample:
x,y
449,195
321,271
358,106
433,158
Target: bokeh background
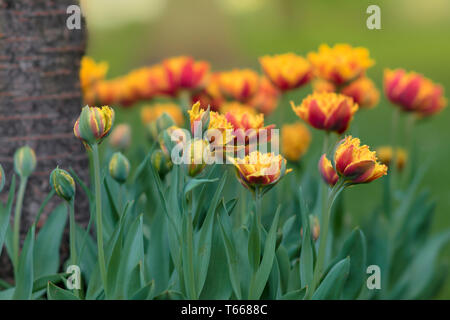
x,y
234,33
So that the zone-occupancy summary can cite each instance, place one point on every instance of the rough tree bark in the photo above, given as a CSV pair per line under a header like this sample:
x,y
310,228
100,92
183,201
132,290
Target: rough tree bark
x,y
40,96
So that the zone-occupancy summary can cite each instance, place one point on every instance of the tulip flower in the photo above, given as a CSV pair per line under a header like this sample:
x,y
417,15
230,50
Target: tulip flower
x,y
386,156
266,99
210,96
327,111
161,162
24,165
94,124
185,72
341,63
314,226
151,113
295,140
63,184
327,171
91,72
363,92
357,164
240,85
24,161
207,120
287,71
197,150
412,92
119,167
259,172
120,137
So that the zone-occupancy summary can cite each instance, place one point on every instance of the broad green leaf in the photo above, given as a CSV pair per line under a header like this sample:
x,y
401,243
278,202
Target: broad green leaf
x,y
259,280
205,237
232,256
306,254
5,212
48,242
25,273
194,183
145,293
332,285
294,295
57,293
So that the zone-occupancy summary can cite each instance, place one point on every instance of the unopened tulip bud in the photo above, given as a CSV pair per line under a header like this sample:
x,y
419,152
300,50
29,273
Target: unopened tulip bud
x,y
314,226
120,138
2,178
119,167
161,162
24,161
94,124
63,184
196,157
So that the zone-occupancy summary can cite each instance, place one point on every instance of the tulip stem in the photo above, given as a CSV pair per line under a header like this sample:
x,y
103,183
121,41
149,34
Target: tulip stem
x,y
73,251
318,270
16,227
98,206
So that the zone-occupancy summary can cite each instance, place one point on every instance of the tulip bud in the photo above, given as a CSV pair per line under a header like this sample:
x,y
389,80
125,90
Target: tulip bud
x,y
24,161
2,178
63,184
119,167
161,162
120,138
314,226
196,157
154,128
94,124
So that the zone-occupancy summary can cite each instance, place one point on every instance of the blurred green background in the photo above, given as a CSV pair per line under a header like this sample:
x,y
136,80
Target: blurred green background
x,y
234,33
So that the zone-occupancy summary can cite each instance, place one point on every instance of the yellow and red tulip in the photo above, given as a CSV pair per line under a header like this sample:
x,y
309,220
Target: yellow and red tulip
x,y
91,72
386,155
357,164
287,71
185,73
413,92
240,85
153,112
327,171
340,64
327,111
266,99
94,124
120,137
260,171
295,140
363,92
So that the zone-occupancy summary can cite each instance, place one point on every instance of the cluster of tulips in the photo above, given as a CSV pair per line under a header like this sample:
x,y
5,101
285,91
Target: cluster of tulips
x,y
176,231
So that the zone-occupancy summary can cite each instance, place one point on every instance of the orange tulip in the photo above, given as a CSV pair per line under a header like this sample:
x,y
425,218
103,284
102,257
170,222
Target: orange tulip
x,y
185,72
266,99
327,171
295,140
260,170
357,164
327,111
413,92
363,92
341,63
239,85
287,71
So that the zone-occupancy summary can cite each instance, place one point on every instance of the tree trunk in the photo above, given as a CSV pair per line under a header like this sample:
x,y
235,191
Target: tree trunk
x,y
40,97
